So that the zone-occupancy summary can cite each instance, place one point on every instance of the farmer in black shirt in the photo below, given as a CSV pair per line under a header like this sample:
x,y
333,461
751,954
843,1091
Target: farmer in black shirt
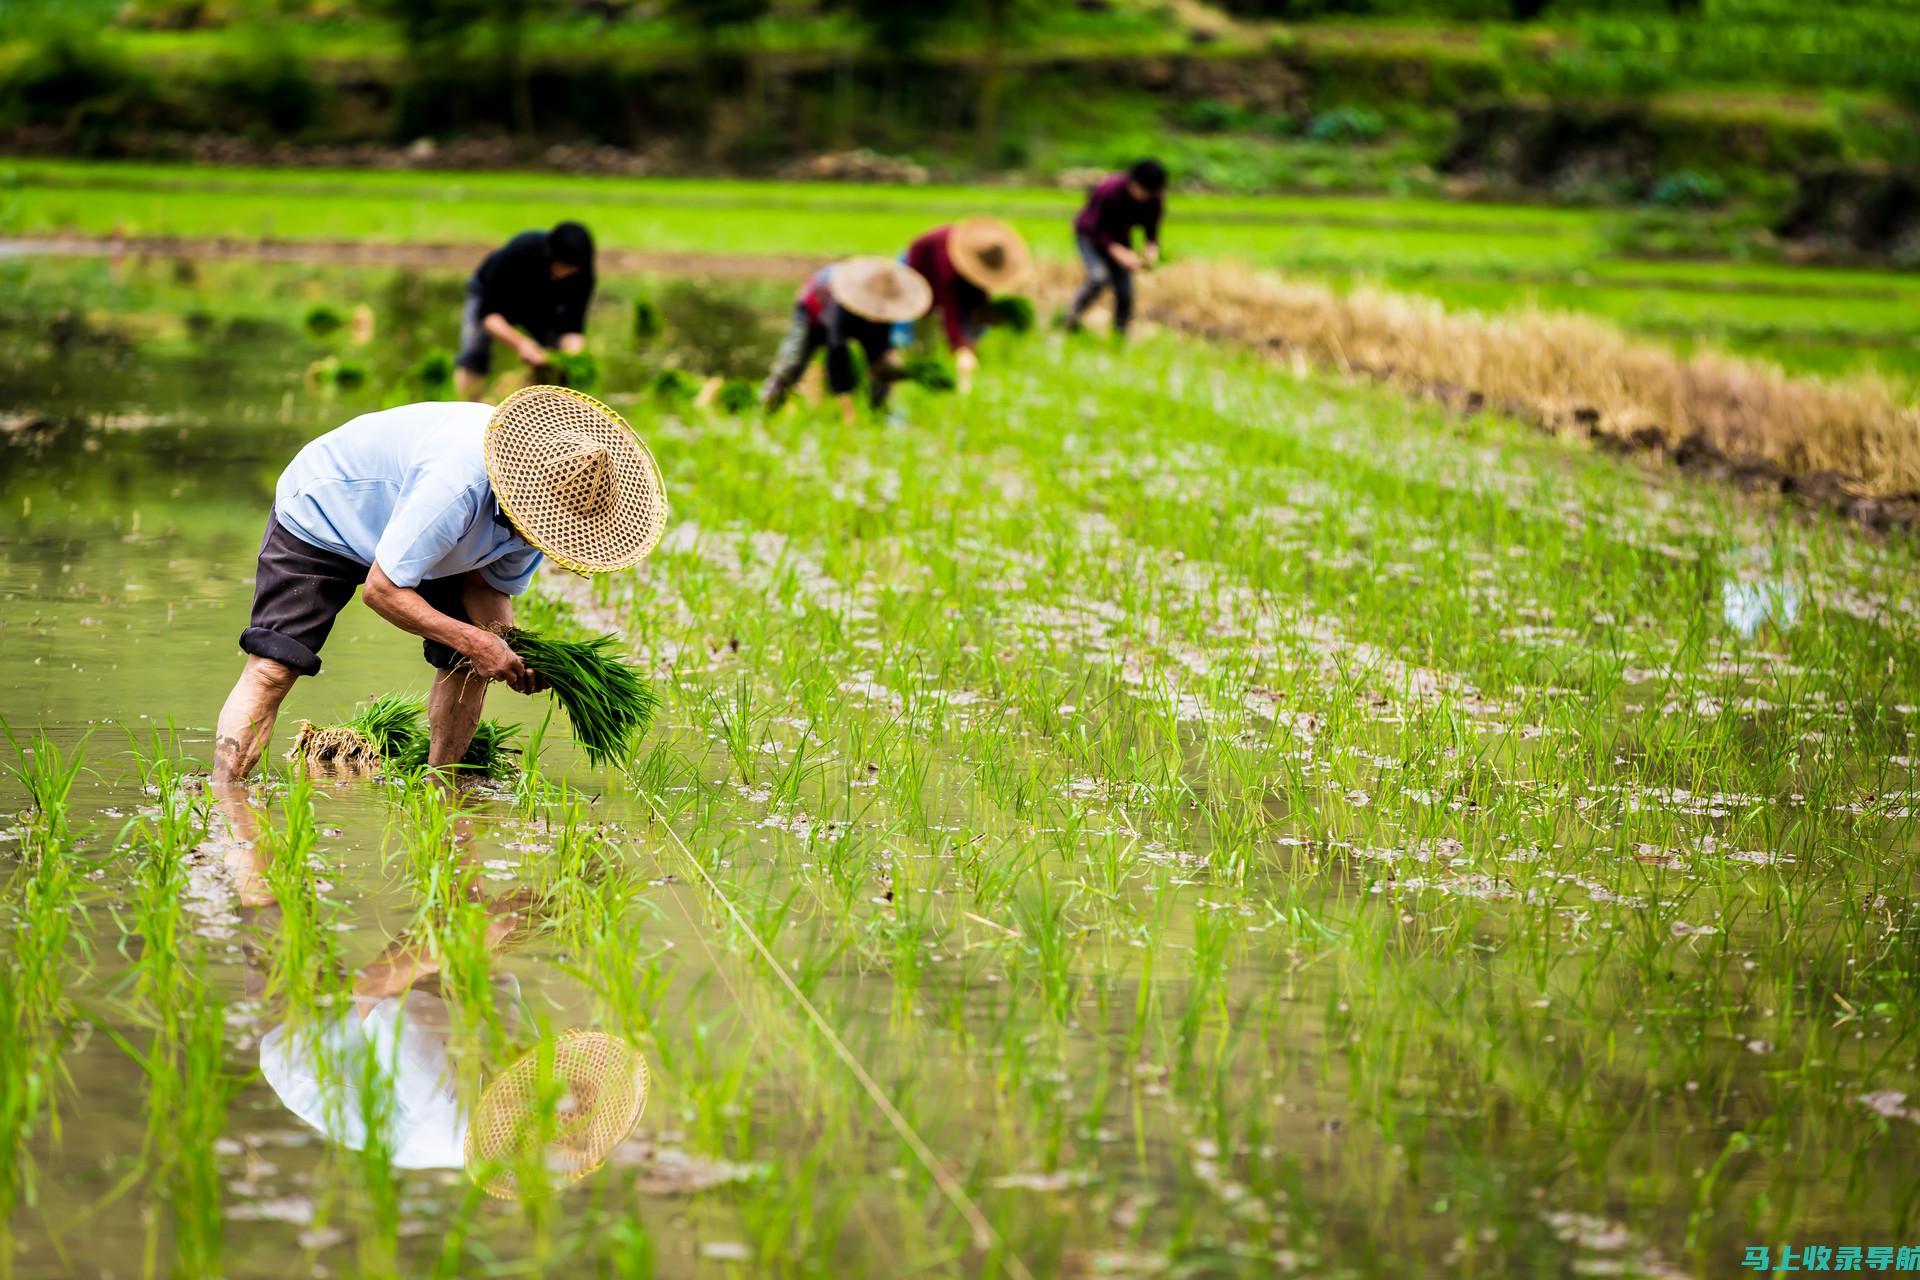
x,y
532,294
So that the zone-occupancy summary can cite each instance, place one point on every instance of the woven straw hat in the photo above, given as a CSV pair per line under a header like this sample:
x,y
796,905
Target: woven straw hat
x,y
989,254
880,289
575,480
601,1083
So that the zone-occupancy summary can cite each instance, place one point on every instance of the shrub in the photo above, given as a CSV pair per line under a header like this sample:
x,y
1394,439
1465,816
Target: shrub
x,y
433,372
1346,124
322,320
646,320
674,386
738,395
1688,188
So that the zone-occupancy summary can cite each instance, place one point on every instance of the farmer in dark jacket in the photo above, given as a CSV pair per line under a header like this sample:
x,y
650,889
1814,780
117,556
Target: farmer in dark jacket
x,y
855,302
1104,231
967,264
532,294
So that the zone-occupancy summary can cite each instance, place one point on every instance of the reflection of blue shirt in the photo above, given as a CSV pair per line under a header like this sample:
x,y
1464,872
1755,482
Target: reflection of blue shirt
x,y
406,489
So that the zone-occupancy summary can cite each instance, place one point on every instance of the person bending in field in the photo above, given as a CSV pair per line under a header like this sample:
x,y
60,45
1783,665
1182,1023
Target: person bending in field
x,y
441,512
967,264
1104,232
847,304
532,294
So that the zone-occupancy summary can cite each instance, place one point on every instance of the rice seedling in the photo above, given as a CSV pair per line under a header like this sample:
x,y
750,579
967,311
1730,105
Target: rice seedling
x,y
608,704
392,727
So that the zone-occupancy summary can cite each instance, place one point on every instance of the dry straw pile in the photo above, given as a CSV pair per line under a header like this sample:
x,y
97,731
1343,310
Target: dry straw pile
x,y
1564,372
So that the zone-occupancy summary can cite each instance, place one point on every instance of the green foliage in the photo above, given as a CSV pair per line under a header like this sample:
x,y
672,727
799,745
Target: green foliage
x,y
738,395
1012,312
1347,125
322,320
1689,189
646,320
339,373
578,369
607,702
674,386
268,87
393,724
432,373
490,754
931,370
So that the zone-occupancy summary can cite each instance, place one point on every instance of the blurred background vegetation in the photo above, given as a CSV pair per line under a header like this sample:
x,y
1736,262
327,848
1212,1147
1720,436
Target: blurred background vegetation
x,y
1803,118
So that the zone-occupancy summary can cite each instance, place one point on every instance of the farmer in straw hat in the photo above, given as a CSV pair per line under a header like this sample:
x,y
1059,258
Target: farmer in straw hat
x,y
855,302
1103,230
531,293
967,264
442,512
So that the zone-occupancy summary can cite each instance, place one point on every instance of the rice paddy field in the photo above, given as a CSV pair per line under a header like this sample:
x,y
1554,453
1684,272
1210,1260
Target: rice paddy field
x,y
1166,814
1489,257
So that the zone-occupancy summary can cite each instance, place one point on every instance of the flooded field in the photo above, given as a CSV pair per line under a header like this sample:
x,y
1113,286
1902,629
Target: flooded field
x,y
1157,816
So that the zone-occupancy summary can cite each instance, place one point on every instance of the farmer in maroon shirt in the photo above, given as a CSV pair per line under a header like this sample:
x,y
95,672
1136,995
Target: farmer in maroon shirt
x,y
968,263
1104,231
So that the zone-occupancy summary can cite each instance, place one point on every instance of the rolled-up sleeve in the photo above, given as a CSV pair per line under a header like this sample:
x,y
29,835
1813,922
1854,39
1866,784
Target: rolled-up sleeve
x,y
513,572
427,522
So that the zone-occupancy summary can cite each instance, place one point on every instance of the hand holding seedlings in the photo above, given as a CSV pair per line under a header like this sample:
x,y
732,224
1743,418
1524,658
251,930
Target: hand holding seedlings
x,y
488,656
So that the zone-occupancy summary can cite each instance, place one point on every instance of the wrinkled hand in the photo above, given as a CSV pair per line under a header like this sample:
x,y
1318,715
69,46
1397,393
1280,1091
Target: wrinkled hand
x,y
490,658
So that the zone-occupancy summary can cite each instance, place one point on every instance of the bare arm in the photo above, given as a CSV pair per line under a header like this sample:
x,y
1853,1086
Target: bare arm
x,y
486,653
530,351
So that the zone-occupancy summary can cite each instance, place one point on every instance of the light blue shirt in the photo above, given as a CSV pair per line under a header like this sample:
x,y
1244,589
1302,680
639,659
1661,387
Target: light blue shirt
x,y
406,489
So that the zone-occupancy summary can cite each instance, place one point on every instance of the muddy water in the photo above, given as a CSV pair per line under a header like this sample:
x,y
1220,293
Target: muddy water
x,y
143,430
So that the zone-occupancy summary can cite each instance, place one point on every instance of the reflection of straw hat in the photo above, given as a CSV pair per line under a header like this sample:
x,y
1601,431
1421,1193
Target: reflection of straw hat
x,y
989,254
575,480
880,289
601,1088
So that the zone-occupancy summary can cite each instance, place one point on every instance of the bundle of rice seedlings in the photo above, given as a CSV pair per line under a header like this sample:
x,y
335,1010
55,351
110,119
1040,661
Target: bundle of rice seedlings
x,y
934,372
1012,312
607,702
578,369
490,754
387,728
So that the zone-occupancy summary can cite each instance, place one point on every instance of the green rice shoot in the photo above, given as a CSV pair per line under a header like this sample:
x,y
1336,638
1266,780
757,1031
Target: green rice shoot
x,y
607,702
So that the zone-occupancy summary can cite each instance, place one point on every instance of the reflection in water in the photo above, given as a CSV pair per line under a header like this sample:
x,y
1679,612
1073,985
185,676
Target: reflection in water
x,y
320,1073
1748,606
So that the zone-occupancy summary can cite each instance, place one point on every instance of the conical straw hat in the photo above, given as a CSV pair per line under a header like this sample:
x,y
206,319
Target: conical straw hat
x,y
575,480
989,254
880,289
602,1082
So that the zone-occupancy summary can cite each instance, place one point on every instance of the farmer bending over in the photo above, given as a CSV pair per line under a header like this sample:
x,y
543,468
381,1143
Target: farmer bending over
x,y
442,511
857,301
967,264
1104,232
532,294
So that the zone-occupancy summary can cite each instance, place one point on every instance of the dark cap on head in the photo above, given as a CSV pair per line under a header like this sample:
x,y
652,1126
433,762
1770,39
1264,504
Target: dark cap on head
x,y
1150,174
571,243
